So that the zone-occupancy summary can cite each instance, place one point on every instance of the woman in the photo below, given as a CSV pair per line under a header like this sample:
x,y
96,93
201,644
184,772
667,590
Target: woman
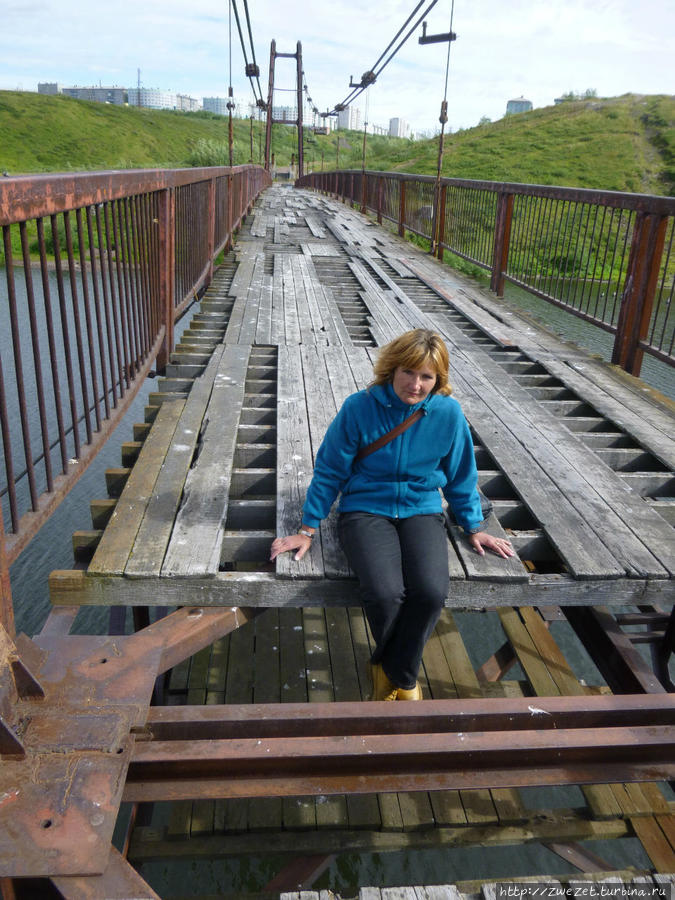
x,y
391,525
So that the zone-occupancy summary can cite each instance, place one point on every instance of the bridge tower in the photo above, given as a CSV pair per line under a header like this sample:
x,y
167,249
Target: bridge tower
x,y
285,120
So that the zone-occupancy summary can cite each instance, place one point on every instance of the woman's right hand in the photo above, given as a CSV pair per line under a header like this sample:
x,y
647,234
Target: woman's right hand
x,y
299,542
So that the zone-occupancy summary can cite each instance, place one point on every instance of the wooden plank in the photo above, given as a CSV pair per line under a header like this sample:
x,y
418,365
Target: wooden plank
x,y
655,842
324,324
330,303
562,825
321,409
236,318
330,811
197,536
294,463
488,567
293,313
398,265
265,814
297,812
362,810
314,225
478,804
247,333
232,815
120,533
263,333
154,533
242,277
600,798
72,587
447,806
390,316
278,325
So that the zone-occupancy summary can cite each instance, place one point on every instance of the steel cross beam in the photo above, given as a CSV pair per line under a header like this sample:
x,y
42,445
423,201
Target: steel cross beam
x,y
70,707
335,748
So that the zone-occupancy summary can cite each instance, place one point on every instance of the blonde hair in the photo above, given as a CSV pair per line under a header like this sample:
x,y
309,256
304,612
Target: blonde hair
x,y
413,350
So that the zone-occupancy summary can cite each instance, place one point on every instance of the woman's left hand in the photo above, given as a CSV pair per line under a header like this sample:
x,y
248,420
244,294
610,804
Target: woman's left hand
x,y
481,541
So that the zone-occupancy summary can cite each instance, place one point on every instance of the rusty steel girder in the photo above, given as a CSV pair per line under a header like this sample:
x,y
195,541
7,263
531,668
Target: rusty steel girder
x,y
60,790
327,748
70,707
78,736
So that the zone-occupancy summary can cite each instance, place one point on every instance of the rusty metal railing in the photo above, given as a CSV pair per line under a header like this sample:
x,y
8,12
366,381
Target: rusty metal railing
x,y
95,269
604,256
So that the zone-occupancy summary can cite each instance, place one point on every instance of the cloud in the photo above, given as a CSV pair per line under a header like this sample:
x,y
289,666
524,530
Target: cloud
x,y
503,50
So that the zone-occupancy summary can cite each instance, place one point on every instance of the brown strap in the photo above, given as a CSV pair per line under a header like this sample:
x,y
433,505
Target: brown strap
x,y
390,435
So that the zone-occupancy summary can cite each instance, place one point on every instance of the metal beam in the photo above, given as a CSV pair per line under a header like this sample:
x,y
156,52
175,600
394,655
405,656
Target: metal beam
x,y
292,749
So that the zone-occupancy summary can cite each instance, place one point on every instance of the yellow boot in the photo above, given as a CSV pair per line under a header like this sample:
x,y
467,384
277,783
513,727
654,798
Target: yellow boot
x,y
383,688
413,694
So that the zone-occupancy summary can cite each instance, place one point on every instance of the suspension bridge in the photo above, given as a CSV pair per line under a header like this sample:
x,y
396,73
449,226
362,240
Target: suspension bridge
x,y
258,736
223,714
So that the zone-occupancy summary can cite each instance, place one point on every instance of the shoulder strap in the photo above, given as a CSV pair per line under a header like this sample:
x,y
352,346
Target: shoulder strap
x,y
390,435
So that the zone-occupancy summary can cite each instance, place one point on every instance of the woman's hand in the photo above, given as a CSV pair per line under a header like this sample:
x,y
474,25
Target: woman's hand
x,y
481,541
299,542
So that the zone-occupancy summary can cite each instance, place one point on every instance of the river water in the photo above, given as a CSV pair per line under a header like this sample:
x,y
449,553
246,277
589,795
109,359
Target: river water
x,y
52,549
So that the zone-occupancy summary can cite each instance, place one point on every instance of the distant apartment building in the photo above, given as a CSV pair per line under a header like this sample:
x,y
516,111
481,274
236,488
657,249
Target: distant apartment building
x,y
49,87
216,105
398,128
287,114
98,94
517,106
186,103
153,98
349,118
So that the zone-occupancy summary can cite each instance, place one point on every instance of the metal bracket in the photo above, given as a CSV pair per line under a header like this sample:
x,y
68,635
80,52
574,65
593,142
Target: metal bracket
x,y
436,38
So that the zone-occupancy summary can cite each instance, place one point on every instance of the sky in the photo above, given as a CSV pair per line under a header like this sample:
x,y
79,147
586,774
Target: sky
x,y
505,49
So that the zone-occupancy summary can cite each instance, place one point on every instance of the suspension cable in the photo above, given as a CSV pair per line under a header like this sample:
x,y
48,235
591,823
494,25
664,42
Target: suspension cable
x,y
250,37
248,66
437,223
370,77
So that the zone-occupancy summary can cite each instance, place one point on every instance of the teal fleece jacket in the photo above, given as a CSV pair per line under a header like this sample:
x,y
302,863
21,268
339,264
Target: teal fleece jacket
x,y
402,478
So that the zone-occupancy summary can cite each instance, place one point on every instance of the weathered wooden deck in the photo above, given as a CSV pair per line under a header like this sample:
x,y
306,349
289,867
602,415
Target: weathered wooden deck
x,y
578,459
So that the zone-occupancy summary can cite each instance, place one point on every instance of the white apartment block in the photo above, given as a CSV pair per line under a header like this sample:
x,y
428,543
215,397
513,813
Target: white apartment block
x,y
398,128
349,118
153,98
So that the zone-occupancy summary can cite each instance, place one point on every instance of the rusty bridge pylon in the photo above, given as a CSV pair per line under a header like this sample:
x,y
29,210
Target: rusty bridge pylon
x,y
284,119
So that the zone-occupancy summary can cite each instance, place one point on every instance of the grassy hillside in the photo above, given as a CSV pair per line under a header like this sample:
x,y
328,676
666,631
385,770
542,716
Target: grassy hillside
x,y
622,143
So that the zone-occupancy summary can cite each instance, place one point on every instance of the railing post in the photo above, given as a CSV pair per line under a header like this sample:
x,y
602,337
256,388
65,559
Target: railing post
x,y
167,272
364,193
502,239
230,216
380,191
351,190
211,228
640,286
401,211
439,235
6,605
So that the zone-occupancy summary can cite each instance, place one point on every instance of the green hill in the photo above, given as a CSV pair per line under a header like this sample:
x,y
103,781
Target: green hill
x,y
622,143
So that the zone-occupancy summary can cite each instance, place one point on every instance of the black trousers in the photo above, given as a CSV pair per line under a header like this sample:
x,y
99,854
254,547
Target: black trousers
x,y
402,568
